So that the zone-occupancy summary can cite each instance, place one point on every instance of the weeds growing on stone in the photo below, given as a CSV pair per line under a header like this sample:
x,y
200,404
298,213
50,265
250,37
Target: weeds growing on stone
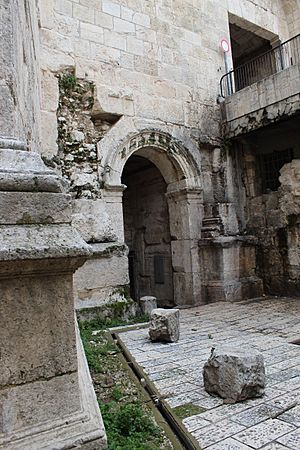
x,y
129,426
129,422
68,81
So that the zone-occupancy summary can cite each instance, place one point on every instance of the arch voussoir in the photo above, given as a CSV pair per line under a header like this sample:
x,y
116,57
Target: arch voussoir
x,y
172,159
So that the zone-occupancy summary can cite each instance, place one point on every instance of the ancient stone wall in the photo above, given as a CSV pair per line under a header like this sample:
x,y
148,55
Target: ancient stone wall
x,y
270,216
77,136
291,9
138,68
157,64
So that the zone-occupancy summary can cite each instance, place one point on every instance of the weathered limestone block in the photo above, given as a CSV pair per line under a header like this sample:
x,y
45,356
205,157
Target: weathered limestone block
x,y
164,325
235,374
91,219
104,277
147,304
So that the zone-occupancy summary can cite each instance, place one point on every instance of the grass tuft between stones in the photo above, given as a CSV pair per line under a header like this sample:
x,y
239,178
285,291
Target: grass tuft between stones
x,y
188,410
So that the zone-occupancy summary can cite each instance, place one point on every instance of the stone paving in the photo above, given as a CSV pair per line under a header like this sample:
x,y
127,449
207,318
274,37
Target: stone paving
x,y
268,325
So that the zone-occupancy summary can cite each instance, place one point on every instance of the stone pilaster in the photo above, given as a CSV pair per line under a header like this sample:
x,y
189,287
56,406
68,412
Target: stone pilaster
x,y
46,395
186,212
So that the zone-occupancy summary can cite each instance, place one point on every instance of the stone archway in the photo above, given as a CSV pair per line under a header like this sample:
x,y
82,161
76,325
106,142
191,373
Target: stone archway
x,y
175,163
184,199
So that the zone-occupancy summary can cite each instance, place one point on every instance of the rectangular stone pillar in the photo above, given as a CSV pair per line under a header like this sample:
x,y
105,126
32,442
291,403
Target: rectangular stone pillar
x,y
186,211
113,196
46,395
228,269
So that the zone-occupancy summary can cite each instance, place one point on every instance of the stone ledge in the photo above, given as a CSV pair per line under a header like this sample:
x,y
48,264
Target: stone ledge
x,y
9,143
108,249
262,117
33,242
30,182
228,241
274,89
22,170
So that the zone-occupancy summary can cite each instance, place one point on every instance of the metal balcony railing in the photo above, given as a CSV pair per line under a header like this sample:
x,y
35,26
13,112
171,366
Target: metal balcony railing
x,y
285,55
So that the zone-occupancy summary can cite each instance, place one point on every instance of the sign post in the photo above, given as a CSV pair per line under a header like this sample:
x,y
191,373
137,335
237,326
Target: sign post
x,y
225,46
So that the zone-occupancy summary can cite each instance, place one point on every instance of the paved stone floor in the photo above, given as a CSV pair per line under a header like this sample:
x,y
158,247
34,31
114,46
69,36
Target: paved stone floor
x,y
268,325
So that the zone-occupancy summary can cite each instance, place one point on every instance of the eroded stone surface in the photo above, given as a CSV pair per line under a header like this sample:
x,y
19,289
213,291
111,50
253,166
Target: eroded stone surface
x,y
147,304
164,325
234,374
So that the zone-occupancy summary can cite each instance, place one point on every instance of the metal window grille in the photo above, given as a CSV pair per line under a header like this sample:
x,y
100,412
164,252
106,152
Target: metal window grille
x,y
285,55
271,165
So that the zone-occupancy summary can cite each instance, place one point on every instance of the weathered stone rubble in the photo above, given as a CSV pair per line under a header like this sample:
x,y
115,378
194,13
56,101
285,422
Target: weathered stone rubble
x,y
234,374
164,325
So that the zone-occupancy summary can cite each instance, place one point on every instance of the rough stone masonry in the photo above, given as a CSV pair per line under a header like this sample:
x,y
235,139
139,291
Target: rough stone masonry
x,y
130,104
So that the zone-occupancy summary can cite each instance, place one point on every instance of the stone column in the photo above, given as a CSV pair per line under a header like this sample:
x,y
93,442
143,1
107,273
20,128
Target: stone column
x,y
186,213
46,395
113,196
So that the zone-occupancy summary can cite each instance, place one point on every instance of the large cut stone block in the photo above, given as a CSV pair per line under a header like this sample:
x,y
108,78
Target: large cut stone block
x,y
164,325
235,374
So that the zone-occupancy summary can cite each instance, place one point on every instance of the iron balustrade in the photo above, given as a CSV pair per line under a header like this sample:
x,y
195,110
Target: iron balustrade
x,y
279,58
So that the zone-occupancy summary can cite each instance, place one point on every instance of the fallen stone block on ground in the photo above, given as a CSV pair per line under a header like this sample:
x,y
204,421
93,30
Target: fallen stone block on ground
x,y
164,325
235,374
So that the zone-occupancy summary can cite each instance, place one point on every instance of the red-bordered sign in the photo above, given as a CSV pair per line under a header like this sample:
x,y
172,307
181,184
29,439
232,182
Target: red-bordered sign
x,y
224,44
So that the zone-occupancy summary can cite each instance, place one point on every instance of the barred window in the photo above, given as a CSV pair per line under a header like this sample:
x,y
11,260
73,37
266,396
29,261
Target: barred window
x,y
271,165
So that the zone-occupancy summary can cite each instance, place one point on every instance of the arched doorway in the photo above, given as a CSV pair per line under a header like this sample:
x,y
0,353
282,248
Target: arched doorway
x,y
147,231
180,184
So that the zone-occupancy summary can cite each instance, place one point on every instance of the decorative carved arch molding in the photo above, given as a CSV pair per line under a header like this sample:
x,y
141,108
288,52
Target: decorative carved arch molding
x,y
184,196
175,163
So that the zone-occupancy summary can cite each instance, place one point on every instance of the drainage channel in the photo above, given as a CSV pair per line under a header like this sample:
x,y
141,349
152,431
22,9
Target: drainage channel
x,y
178,435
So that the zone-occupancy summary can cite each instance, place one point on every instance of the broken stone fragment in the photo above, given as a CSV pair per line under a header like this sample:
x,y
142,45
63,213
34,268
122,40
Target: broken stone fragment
x,y
147,304
77,136
164,325
235,374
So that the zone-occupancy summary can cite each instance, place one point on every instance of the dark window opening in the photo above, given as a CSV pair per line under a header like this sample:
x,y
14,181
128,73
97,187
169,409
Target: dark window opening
x,y
250,57
246,45
159,270
271,165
